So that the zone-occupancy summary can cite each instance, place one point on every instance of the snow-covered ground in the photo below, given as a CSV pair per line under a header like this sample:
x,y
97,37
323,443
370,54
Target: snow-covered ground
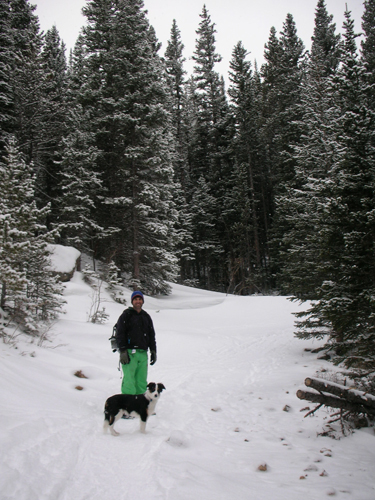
x,y
230,366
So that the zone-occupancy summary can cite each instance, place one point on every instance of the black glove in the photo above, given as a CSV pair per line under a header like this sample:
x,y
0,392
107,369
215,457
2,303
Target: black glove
x,y
124,358
153,357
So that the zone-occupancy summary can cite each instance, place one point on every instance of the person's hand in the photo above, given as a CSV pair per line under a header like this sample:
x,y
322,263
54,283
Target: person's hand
x,y
153,357
124,358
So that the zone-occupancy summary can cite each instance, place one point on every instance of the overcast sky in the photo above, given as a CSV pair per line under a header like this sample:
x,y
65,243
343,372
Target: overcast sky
x,y
247,20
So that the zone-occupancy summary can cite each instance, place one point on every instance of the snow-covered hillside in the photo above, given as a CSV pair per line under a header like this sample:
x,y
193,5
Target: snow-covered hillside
x,y
230,366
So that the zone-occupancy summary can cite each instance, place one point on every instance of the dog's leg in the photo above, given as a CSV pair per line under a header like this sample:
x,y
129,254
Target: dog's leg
x,y
112,430
108,424
105,426
143,417
108,420
112,425
143,427
151,407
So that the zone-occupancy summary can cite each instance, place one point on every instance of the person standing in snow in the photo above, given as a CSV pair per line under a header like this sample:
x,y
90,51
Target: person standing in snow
x,y
135,335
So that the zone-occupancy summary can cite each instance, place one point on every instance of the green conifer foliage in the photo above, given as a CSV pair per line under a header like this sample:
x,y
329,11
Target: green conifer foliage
x,y
302,206
208,251
29,292
209,154
245,202
26,76
125,97
347,295
282,76
368,43
325,42
336,199
52,119
6,63
81,188
174,61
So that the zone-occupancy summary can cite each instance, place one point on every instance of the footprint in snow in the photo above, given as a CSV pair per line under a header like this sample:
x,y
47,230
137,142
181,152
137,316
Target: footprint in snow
x,y
177,440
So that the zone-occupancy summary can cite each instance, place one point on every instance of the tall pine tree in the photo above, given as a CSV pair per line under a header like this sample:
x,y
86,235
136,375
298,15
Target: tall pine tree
x,y
282,76
26,76
368,43
30,293
246,199
6,64
52,119
125,97
209,150
174,61
340,279
302,204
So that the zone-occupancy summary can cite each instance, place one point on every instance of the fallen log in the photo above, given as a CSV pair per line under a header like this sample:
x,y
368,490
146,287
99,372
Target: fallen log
x,y
351,395
335,402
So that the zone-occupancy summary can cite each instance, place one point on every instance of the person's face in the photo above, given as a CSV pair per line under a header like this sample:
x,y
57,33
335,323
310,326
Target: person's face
x,y
137,303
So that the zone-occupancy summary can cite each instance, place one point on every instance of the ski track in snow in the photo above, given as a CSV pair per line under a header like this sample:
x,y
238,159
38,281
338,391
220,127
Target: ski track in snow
x,y
230,365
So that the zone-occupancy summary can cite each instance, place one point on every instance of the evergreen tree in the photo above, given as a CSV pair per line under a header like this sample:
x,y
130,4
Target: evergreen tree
x,y
52,123
176,79
26,76
6,64
76,71
125,97
208,251
245,201
208,93
347,297
368,43
174,61
340,195
282,77
303,204
29,292
325,46
81,187
209,153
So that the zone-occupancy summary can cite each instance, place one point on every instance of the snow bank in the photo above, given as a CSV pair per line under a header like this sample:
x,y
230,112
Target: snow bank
x,y
63,259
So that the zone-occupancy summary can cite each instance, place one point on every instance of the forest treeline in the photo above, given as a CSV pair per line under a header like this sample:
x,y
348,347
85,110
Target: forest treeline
x,y
264,187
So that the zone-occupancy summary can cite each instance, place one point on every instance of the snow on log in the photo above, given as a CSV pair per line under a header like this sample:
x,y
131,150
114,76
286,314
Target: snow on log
x,y
338,396
347,393
334,402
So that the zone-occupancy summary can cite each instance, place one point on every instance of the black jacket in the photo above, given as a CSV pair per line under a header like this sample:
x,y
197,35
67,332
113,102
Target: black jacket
x,y
135,331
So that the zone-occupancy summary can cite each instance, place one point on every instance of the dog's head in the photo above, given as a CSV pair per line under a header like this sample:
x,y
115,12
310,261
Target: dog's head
x,y
154,390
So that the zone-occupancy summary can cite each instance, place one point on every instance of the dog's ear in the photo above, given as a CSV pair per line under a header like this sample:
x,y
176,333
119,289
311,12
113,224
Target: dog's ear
x,y
151,386
161,387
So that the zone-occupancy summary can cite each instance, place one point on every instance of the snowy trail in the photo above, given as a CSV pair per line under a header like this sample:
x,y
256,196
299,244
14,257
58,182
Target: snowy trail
x,y
230,366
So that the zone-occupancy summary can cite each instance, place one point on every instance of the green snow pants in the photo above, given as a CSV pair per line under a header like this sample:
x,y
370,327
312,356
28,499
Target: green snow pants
x,y
134,380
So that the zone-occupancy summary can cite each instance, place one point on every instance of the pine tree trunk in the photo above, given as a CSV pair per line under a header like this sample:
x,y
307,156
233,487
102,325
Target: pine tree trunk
x,y
136,256
254,215
3,295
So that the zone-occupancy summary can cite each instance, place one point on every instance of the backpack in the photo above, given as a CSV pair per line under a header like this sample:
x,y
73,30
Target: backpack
x,y
113,339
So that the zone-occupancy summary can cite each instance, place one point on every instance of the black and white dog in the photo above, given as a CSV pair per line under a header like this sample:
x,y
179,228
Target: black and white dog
x,y
141,405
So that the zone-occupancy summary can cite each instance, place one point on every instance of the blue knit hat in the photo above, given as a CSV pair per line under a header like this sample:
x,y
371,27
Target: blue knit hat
x,y
137,294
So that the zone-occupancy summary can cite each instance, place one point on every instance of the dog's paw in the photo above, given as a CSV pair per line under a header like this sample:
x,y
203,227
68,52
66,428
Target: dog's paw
x,y
114,433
